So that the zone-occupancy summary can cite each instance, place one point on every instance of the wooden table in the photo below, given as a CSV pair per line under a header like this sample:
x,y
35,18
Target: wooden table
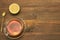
x,y
41,16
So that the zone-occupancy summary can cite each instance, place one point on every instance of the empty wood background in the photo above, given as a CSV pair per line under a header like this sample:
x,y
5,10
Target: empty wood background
x,y
41,16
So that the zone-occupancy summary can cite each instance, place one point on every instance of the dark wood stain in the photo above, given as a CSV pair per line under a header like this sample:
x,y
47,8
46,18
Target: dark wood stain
x,y
47,12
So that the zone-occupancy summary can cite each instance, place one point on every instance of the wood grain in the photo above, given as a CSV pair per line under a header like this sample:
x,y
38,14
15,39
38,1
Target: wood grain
x,y
42,17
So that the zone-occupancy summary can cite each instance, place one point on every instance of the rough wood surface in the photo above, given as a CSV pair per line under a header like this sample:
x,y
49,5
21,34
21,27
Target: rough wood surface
x,y
42,16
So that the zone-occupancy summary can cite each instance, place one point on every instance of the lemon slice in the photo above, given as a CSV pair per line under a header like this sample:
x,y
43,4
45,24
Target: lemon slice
x,y
14,8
